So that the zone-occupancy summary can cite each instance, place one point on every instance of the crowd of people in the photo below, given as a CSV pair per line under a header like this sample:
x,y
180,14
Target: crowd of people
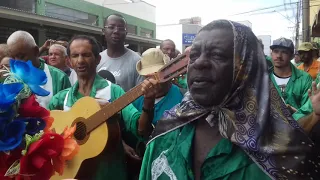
x,y
236,114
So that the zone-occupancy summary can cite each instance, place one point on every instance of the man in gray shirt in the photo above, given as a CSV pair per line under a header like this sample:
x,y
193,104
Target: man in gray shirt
x,y
118,59
123,68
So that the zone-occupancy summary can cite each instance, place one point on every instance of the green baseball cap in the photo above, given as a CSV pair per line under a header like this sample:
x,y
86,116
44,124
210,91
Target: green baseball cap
x,y
306,46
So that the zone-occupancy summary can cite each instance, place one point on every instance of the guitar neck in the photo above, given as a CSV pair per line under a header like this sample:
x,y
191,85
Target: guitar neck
x,y
171,70
111,109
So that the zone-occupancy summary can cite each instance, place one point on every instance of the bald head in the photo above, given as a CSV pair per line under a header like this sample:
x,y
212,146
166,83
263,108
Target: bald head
x,y
169,48
23,47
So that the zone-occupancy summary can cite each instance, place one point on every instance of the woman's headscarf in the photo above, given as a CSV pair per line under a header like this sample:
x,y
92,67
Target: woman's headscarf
x,y
253,116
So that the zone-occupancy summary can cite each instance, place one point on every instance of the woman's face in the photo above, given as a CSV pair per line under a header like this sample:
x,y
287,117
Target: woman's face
x,y
210,71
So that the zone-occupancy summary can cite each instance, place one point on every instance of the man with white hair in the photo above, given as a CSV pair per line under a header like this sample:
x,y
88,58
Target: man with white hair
x,y
58,58
23,47
4,51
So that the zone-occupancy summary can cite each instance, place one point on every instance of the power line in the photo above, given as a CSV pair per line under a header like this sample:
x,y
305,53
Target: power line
x,y
261,9
279,10
273,11
285,17
271,7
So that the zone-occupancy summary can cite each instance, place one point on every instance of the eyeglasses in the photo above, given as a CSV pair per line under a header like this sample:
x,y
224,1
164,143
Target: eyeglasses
x,y
112,28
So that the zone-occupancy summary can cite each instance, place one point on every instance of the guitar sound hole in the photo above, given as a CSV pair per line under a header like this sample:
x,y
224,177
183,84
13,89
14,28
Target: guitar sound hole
x,y
81,131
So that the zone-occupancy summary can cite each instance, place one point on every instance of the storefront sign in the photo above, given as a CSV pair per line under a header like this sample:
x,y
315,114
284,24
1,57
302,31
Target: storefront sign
x,y
188,38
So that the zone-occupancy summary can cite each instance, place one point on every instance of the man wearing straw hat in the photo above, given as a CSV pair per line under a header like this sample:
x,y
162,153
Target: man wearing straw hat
x,y
168,95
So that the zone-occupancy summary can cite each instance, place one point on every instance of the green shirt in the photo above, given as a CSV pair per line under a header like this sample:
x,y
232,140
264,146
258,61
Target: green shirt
x,y
170,155
113,168
182,82
296,92
268,58
60,80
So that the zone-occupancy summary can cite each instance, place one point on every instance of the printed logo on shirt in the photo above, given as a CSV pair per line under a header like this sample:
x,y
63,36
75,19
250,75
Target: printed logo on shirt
x,y
161,166
283,89
116,73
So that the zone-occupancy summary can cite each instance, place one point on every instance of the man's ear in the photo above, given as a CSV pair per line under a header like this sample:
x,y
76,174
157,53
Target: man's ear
x,y
36,51
68,62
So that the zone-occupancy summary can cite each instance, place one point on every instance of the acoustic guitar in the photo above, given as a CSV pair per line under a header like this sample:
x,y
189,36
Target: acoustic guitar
x,y
92,133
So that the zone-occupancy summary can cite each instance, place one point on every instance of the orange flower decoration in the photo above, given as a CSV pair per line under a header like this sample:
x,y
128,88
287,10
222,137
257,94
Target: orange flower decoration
x,y
49,120
70,149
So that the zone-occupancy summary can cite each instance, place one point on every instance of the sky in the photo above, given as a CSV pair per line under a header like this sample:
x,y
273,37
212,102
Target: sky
x,y
277,24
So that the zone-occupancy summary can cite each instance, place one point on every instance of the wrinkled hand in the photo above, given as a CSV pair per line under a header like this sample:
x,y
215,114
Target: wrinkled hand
x,y
149,88
130,151
314,96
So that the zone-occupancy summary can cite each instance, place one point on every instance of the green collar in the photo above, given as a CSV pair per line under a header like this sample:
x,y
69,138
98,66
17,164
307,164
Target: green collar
x,y
42,62
295,73
74,95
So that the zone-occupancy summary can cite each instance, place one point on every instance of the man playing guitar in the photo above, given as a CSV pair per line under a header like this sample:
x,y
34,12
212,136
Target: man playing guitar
x,y
84,57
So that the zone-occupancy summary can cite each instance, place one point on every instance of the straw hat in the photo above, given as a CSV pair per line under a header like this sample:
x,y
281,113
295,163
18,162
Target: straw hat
x,y
151,61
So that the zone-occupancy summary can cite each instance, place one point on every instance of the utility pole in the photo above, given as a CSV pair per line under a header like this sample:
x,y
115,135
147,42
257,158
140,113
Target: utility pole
x,y
297,25
306,20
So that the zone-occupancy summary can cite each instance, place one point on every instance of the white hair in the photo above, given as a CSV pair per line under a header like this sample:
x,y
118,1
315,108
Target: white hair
x,y
4,48
21,37
60,47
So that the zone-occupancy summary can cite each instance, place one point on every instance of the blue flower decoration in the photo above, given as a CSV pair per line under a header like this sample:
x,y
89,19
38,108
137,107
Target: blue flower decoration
x,y
12,135
33,125
8,94
30,75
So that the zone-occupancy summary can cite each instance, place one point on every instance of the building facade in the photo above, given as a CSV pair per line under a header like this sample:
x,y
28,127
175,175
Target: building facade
x,y
50,19
181,34
266,40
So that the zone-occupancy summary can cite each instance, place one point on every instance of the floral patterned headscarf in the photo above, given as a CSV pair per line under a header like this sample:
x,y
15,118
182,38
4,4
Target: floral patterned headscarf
x,y
253,115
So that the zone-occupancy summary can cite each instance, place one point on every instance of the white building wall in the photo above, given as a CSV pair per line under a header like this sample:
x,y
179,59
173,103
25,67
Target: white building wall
x,y
266,40
173,32
139,9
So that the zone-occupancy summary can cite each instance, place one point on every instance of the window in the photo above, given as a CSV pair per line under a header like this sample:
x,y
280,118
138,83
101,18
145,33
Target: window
x,y
132,29
70,14
146,33
24,5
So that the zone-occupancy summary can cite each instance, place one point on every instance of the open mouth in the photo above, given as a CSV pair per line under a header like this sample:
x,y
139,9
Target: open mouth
x,y
201,81
82,68
115,38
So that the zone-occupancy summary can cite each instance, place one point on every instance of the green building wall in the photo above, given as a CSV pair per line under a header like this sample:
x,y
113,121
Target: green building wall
x,y
97,10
